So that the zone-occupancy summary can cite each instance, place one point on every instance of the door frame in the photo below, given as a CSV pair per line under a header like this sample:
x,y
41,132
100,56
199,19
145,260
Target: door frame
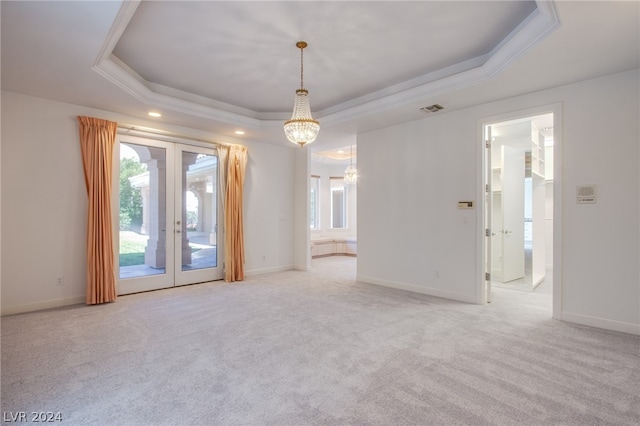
x,y
482,292
175,144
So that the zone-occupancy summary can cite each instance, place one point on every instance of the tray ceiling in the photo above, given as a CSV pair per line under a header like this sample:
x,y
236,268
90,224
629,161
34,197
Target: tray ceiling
x,y
237,61
243,53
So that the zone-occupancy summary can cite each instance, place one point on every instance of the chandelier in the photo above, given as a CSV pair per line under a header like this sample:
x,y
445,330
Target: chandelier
x,y
302,128
351,173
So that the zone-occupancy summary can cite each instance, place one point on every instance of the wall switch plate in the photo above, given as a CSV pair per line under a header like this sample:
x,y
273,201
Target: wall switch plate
x,y
586,194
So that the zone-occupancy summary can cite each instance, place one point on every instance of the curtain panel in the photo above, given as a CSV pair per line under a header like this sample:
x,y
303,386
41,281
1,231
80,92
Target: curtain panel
x,y
233,161
97,140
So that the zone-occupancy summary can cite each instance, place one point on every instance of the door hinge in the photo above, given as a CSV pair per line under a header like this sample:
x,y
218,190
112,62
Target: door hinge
x,y
487,276
487,232
486,188
487,143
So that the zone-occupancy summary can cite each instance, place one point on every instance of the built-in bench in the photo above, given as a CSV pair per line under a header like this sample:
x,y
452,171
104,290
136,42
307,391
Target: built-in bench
x,y
323,247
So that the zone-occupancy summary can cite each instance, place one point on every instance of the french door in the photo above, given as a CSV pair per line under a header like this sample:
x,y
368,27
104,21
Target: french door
x,y
168,215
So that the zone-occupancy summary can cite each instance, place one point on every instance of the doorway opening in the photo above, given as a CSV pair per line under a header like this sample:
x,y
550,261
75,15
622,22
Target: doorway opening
x,y
519,204
332,204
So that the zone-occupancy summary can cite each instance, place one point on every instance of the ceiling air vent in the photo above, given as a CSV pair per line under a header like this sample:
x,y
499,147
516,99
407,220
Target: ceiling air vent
x,y
432,108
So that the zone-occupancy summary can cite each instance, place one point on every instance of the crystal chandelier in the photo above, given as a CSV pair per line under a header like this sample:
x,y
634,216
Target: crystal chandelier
x,y
350,173
302,128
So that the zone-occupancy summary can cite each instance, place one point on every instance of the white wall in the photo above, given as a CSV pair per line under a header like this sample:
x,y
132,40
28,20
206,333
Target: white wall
x,y
326,171
44,202
269,216
302,248
410,233
413,174
0,211
601,245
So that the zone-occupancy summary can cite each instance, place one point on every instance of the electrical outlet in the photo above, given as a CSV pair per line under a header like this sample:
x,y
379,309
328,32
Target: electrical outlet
x,y
59,281
436,274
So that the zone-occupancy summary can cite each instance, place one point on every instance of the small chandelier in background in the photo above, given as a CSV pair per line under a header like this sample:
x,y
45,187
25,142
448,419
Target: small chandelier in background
x,y
302,129
351,173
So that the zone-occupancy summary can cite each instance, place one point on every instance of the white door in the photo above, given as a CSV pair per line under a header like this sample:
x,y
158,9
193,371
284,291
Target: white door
x,y
168,211
512,232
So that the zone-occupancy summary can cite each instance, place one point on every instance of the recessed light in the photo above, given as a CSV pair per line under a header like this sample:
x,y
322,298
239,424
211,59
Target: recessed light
x,y
239,132
341,151
155,114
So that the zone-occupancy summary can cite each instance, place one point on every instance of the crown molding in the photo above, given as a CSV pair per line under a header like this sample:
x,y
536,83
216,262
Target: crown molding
x,y
124,77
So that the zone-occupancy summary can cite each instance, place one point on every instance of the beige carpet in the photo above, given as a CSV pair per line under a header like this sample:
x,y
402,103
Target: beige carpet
x,y
316,348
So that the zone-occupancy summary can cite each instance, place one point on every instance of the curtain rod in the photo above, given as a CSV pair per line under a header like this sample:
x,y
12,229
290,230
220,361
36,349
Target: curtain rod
x,y
148,130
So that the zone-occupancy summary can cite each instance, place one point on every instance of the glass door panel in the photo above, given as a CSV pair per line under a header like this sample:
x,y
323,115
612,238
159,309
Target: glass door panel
x,y
197,216
145,255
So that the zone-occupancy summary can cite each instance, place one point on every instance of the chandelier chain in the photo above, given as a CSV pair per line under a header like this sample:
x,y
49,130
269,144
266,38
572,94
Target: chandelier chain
x,y
302,68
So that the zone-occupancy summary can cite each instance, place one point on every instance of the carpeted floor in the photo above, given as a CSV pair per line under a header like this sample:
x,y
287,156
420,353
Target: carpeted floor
x,y
317,348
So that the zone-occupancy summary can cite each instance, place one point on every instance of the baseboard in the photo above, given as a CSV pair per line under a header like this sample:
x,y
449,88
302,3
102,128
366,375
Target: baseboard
x,y
319,256
607,324
252,272
539,281
301,268
47,304
418,289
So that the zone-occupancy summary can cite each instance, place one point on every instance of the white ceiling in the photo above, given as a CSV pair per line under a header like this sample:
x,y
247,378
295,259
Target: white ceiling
x,y
221,66
354,49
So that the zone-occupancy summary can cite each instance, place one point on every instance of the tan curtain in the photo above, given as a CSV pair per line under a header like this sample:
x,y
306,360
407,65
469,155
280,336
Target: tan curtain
x,y
97,138
236,160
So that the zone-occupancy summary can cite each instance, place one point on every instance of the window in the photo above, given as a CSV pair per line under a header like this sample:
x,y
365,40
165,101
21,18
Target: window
x,y
314,211
338,203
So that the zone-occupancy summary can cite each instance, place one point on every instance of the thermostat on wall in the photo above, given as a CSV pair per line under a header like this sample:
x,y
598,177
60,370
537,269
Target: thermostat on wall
x,y
465,204
586,194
